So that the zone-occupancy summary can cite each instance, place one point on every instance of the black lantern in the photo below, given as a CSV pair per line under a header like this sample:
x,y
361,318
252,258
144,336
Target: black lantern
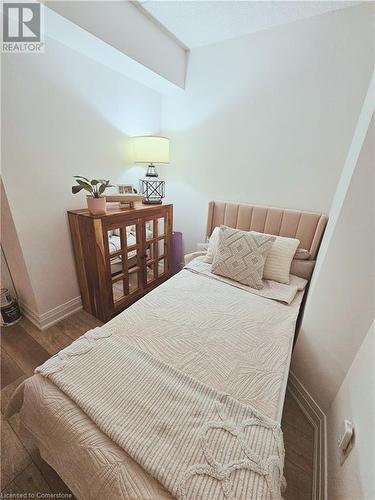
x,y
152,188
151,149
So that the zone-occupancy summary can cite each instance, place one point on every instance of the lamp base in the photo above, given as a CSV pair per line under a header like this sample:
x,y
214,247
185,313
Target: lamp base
x,y
152,188
151,202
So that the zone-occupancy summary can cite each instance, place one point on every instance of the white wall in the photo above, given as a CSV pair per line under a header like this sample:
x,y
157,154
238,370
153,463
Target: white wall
x,y
123,26
63,115
15,261
6,279
340,305
66,32
268,118
355,401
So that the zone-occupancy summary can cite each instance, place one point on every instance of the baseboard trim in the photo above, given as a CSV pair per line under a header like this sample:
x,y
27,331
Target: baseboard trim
x,y
317,418
53,316
29,313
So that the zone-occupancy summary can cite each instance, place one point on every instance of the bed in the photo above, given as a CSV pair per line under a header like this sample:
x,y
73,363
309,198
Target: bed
x,y
216,339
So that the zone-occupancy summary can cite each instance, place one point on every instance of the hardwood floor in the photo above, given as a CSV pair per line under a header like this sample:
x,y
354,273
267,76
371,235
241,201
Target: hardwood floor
x,y
299,451
24,347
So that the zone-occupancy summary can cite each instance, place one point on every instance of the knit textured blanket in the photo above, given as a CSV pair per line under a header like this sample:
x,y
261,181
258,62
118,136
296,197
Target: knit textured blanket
x,y
199,442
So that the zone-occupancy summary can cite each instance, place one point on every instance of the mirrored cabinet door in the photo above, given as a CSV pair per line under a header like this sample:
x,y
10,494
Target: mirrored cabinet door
x,y
125,260
120,255
156,248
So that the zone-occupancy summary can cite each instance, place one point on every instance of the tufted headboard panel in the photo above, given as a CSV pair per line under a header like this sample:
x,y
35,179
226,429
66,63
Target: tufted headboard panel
x,y
308,227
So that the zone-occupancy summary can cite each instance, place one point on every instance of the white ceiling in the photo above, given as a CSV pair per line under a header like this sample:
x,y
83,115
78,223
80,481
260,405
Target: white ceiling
x,y
197,23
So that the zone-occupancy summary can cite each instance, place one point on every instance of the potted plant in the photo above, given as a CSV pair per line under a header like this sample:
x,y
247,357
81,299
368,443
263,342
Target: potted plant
x,y
96,187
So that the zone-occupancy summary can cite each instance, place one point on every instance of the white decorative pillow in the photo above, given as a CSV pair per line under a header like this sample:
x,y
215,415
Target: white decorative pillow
x,y
212,245
279,258
241,256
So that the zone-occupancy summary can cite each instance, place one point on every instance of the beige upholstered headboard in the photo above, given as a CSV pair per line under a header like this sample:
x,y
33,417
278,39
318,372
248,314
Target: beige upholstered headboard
x,y
307,227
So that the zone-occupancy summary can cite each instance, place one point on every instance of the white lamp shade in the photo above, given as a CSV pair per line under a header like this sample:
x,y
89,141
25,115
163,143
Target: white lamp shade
x,y
150,149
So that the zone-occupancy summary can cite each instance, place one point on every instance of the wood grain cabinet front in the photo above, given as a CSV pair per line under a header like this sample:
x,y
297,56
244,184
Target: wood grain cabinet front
x,y
121,255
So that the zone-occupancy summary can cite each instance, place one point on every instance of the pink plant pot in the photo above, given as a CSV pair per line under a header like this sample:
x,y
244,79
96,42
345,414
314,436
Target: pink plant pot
x,y
96,206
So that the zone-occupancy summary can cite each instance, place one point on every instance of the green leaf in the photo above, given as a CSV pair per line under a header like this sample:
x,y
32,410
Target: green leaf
x,y
94,182
81,177
76,189
85,185
102,188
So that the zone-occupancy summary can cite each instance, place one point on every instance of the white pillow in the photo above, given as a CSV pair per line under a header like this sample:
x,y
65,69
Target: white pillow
x,y
241,256
212,245
279,259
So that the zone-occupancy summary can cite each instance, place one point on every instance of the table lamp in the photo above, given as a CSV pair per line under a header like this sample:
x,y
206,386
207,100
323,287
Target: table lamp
x,y
151,149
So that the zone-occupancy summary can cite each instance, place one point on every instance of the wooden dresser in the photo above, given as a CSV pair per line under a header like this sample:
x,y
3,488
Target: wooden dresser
x,y
121,255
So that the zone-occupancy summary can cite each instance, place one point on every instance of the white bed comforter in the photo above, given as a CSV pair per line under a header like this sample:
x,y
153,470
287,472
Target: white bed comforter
x,y
235,342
